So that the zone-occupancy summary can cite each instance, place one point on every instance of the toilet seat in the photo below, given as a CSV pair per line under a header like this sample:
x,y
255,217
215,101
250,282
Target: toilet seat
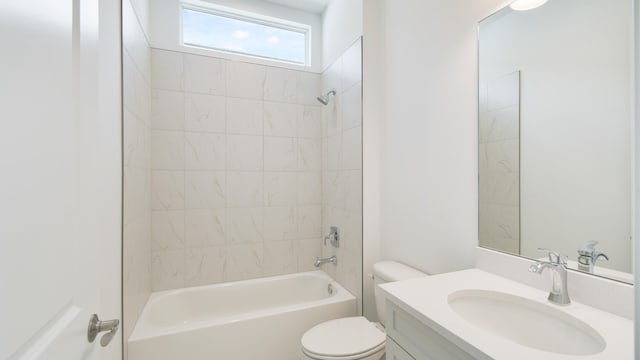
x,y
345,339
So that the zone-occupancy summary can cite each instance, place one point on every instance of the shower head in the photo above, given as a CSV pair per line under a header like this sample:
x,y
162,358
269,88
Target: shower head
x,y
324,99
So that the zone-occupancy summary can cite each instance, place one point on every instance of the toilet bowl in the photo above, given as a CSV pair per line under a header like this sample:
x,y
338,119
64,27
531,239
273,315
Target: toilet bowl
x,y
346,338
356,338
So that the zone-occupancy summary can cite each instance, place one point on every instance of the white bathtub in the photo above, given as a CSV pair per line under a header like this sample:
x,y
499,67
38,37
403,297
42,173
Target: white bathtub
x,y
253,319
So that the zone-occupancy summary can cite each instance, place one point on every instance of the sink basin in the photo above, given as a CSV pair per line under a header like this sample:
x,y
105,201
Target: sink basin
x,y
526,322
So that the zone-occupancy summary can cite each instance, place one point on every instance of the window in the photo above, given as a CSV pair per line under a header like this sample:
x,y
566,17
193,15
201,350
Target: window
x,y
244,35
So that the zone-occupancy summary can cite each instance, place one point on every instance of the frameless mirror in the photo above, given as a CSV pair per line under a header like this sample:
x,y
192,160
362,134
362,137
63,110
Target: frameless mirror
x,y
555,133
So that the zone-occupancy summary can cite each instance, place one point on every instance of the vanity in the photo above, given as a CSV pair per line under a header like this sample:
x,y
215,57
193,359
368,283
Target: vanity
x,y
553,267
474,314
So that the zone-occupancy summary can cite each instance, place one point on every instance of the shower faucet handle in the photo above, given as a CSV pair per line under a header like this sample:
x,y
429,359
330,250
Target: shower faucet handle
x,y
333,237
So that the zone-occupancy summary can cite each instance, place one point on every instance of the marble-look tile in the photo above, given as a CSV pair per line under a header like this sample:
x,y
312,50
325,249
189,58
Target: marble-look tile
x,y
203,74
244,261
205,227
501,222
205,189
500,157
503,91
134,41
204,266
280,154
351,101
245,225
309,122
280,223
352,65
136,90
245,189
167,150
309,154
167,189
205,113
308,88
483,94
307,251
280,84
352,190
334,151
280,119
129,83
136,193
167,230
501,188
332,77
279,188
245,80
332,192
309,188
244,116
309,221
130,140
167,110
497,125
351,232
245,152
205,151
280,258
332,116
167,70
351,149
167,269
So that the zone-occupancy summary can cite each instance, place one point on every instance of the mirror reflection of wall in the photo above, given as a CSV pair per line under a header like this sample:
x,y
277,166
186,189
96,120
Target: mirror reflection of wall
x,y
575,135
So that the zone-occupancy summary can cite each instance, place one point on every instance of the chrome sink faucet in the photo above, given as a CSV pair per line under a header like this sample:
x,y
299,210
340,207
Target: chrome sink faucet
x,y
559,293
587,256
320,261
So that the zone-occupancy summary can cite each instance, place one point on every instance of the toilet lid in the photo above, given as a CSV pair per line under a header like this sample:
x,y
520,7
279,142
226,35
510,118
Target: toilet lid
x,y
343,337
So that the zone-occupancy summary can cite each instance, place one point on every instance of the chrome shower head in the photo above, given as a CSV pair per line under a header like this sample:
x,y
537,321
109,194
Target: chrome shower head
x,y
324,99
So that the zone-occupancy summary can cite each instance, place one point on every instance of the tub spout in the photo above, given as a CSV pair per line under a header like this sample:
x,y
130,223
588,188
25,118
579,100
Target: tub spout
x,y
319,261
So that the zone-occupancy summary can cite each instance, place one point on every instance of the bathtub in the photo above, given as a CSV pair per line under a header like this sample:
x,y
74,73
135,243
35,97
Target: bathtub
x,y
254,319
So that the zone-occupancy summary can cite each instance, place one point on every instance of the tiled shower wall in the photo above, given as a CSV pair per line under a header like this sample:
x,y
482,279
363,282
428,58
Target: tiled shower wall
x,y
499,163
136,68
236,170
342,168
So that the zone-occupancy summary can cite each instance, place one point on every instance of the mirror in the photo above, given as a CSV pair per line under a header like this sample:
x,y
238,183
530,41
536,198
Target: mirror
x,y
555,133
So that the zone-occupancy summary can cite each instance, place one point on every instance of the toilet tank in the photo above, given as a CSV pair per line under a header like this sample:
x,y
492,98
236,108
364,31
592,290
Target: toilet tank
x,y
390,271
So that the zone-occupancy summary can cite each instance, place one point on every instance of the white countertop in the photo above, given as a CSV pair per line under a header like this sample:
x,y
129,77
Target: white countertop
x,y
427,300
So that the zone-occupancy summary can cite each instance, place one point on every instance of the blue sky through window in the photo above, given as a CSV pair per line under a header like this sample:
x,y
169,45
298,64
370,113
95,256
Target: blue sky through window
x,y
222,33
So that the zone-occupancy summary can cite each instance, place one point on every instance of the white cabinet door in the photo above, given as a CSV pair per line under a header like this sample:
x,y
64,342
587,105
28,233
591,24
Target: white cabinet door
x,y
60,187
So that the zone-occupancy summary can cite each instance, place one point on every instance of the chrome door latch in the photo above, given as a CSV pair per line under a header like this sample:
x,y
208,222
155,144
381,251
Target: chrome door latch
x,y
96,326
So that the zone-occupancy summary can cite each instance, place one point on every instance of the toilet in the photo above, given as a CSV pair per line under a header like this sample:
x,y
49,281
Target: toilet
x,y
356,338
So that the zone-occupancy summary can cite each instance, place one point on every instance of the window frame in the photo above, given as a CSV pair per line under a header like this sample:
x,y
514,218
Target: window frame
x,y
254,18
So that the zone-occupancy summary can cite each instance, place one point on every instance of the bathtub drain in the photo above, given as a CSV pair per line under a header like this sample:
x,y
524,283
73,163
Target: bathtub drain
x,y
330,289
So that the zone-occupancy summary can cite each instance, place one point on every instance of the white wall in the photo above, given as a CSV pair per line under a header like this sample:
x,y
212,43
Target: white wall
x,y
429,142
575,123
166,19
341,26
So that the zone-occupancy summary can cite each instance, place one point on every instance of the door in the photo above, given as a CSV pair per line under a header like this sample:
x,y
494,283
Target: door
x,y
60,182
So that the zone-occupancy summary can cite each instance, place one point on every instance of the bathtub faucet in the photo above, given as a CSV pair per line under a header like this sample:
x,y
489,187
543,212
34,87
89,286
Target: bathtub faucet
x,y
319,261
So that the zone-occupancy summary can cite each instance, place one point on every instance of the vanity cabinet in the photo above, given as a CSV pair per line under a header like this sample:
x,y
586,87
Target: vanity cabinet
x,y
395,352
408,338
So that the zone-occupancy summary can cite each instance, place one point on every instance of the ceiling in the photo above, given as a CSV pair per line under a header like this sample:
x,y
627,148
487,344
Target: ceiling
x,y
313,6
